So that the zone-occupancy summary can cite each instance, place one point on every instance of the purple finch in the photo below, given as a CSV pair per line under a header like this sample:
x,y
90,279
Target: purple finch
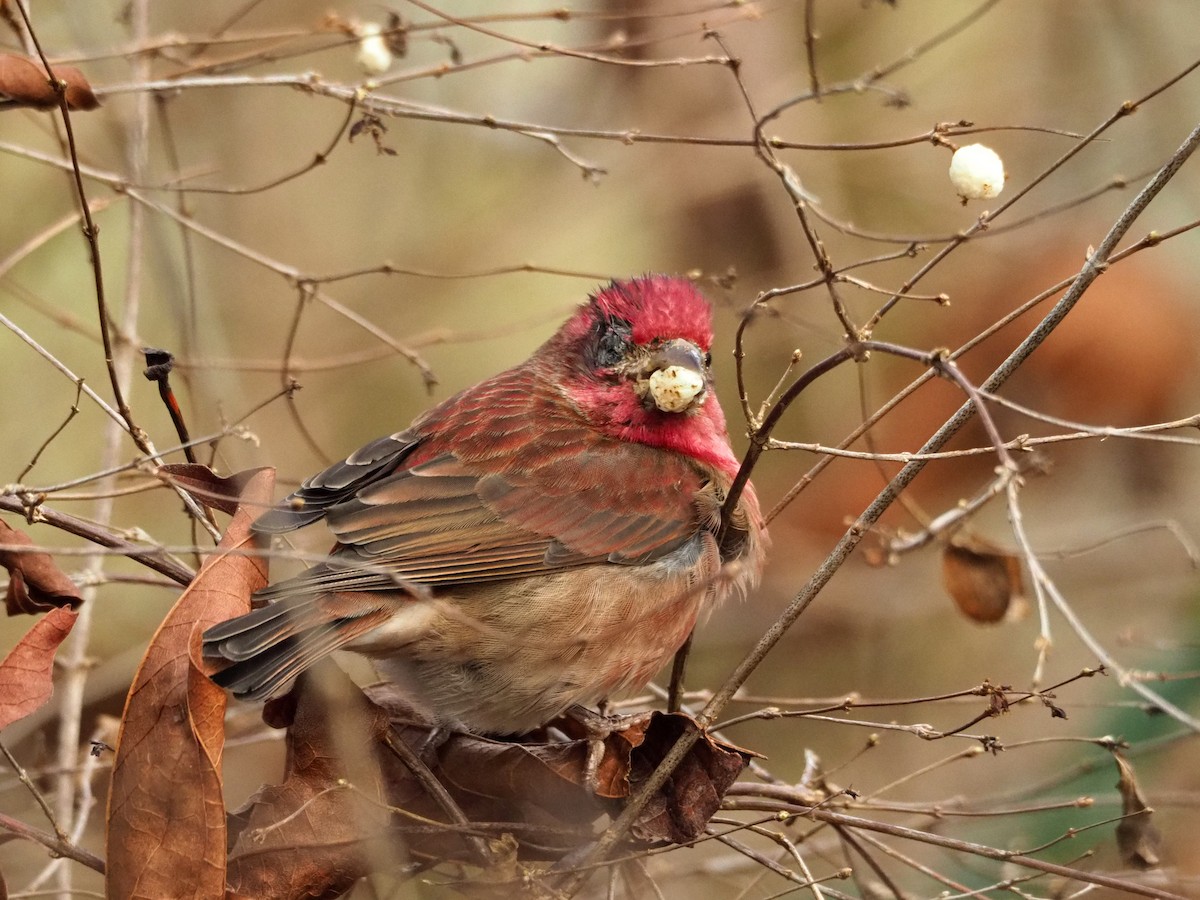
x,y
546,538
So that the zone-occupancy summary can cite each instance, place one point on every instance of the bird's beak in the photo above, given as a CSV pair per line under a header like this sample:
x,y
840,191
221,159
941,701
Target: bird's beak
x,y
677,376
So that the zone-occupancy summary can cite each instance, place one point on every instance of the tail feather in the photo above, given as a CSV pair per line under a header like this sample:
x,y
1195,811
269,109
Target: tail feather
x,y
269,646
241,638
260,676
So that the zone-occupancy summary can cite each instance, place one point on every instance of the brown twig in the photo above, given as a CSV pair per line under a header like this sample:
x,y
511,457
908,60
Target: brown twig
x,y
51,843
151,558
438,793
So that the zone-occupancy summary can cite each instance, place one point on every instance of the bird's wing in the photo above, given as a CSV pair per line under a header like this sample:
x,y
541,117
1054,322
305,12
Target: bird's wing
x,y
470,499
337,484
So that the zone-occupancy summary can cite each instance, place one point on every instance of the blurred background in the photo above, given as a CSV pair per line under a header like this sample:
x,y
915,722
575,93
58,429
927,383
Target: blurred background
x,y
487,181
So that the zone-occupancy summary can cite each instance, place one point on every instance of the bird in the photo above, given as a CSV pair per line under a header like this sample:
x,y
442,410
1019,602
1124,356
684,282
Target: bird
x,y
537,543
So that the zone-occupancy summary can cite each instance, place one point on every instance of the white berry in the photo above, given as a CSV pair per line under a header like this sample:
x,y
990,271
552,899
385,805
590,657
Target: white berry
x,y
374,56
675,387
977,172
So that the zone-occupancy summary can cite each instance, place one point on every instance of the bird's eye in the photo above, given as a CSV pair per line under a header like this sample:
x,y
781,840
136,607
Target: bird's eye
x,y
707,360
612,341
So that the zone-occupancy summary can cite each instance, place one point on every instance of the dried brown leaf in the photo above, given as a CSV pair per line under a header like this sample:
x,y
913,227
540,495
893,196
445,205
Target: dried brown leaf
x,y
692,795
537,787
1138,839
349,805
985,582
325,825
23,83
331,821
27,673
212,490
396,35
35,582
166,816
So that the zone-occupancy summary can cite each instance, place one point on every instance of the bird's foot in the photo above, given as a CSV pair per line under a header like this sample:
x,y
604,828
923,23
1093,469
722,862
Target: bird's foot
x,y
428,751
597,728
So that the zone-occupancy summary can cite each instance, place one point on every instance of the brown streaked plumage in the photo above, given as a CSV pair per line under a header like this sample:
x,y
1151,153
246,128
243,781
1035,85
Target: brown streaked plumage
x,y
545,538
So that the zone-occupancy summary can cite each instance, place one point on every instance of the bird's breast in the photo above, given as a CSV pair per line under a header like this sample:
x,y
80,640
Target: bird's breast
x,y
509,656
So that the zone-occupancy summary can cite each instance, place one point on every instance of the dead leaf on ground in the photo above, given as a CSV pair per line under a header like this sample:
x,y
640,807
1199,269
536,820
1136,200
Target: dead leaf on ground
x,y
984,581
35,582
1138,839
23,83
27,673
166,816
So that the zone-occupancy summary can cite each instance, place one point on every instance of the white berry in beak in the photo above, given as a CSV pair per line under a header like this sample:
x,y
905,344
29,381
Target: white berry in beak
x,y
674,388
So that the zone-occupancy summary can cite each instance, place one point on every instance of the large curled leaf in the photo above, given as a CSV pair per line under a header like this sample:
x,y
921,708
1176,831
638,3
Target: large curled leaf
x,y
166,815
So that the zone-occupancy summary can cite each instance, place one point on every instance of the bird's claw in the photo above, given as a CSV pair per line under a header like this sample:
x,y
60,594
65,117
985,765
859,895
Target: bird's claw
x,y
428,752
598,728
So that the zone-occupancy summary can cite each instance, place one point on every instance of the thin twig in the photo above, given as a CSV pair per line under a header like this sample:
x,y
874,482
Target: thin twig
x,y
24,778
51,843
438,793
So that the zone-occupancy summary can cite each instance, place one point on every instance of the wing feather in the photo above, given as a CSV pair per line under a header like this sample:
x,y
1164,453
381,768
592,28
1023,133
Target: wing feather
x,y
507,486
